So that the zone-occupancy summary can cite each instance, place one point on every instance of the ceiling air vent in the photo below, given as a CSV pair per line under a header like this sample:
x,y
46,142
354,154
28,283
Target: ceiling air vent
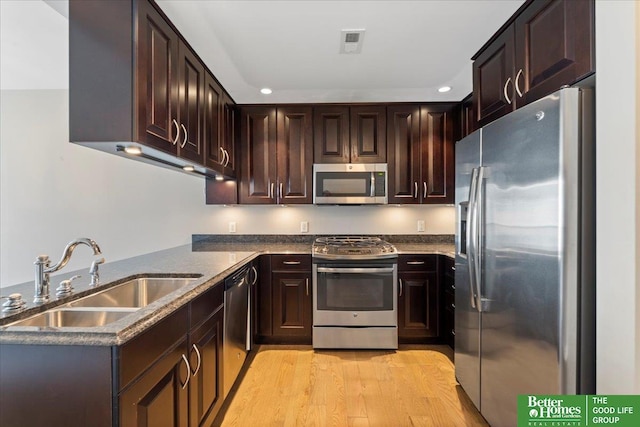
x,y
351,41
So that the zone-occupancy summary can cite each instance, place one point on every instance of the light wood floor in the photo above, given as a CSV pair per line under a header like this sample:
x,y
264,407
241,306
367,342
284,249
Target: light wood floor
x,y
296,386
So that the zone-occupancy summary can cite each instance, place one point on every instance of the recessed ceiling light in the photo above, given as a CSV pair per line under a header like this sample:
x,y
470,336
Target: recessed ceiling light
x,y
188,168
444,89
266,91
133,150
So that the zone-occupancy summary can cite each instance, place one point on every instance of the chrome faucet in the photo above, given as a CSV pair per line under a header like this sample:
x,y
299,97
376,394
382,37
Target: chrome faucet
x,y
43,268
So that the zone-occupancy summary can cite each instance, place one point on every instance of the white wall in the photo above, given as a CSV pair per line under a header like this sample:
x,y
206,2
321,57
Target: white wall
x,y
333,219
52,191
618,183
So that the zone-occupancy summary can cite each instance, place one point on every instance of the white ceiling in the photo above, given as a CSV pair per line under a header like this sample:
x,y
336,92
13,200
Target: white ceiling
x,y
410,49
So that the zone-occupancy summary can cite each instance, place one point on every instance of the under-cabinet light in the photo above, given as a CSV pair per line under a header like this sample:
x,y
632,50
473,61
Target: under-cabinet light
x,y
133,150
219,178
444,89
266,91
188,168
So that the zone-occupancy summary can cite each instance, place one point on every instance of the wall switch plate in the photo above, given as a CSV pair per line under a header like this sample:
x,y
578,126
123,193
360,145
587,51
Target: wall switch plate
x,y
420,225
232,227
304,226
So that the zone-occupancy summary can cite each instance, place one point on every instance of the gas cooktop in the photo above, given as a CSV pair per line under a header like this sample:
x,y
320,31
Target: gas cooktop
x,y
352,247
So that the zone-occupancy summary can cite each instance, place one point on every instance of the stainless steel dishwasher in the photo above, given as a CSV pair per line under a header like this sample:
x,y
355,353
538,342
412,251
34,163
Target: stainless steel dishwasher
x,y
236,309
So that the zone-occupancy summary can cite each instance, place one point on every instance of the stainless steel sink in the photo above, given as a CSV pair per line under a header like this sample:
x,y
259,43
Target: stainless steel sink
x,y
75,318
134,293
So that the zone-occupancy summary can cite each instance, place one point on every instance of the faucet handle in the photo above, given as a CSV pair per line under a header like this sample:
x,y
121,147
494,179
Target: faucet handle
x,y
65,287
93,271
13,304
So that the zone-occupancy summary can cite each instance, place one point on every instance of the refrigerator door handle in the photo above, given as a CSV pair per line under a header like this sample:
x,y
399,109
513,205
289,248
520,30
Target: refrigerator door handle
x,y
479,236
471,233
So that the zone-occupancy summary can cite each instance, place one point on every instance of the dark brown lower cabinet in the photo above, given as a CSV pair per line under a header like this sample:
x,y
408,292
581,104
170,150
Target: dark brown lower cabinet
x,y
418,299
160,396
282,300
205,388
292,315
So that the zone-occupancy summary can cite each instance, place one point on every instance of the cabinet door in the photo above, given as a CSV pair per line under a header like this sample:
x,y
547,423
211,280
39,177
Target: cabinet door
x,y
467,117
229,134
212,123
493,90
205,358
295,155
403,153
368,134
157,80
554,46
331,134
436,129
258,136
160,396
418,305
262,301
190,105
292,304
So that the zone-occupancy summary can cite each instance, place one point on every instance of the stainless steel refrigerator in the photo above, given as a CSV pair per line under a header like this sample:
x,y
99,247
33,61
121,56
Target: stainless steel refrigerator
x,y
525,270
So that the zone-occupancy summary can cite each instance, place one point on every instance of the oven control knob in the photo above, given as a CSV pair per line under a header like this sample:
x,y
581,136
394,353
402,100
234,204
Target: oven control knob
x,y
355,314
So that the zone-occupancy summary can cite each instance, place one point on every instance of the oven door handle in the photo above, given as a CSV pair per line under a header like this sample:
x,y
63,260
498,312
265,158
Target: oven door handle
x,y
355,270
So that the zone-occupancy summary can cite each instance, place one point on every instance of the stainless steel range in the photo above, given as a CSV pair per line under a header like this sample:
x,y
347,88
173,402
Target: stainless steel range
x,y
354,293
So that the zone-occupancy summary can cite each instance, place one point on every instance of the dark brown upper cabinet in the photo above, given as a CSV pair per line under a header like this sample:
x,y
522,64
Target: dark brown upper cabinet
x,y
420,153
546,44
276,147
467,117
349,134
134,79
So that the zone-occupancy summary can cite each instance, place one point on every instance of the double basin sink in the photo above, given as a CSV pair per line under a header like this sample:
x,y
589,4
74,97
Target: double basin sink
x,y
108,305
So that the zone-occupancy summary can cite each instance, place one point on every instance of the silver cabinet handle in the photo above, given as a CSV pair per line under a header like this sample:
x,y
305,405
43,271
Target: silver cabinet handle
x,y
400,281
306,281
272,184
453,306
226,158
424,195
291,262
453,332
453,268
504,90
186,136
175,140
255,275
281,190
223,156
453,287
415,262
517,85
184,358
415,189
195,348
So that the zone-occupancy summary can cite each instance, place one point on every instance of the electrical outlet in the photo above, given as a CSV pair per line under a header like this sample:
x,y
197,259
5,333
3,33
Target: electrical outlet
x,y
232,227
304,226
421,225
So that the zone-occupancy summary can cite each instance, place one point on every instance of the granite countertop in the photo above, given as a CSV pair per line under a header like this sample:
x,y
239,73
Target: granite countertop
x,y
214,260
213,266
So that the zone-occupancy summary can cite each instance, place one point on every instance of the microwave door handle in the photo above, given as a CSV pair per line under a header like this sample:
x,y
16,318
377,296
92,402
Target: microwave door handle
x,y
372,193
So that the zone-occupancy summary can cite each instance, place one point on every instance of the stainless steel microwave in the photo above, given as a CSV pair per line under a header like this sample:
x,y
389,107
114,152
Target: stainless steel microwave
x,y
350,184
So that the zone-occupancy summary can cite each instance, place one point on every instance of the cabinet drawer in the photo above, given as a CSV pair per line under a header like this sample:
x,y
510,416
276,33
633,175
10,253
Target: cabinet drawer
x,y
206,304
291,262
417,262
141,352
449,300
